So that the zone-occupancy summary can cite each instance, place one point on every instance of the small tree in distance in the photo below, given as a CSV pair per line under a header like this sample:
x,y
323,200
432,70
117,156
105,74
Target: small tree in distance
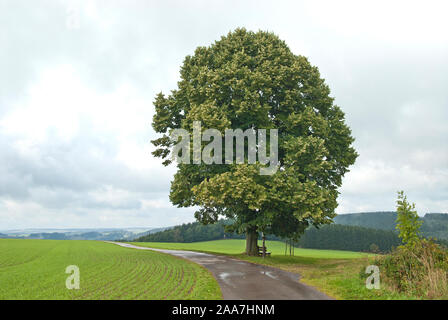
x,y
408,223
374,248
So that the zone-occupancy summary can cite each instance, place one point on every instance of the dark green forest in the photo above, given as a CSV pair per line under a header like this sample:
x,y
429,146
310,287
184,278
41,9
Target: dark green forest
x,y
377,220
352,238
435,225
192,232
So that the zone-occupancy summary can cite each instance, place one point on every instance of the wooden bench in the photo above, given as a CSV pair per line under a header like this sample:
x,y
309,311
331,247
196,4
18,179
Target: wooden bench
x,y
260,252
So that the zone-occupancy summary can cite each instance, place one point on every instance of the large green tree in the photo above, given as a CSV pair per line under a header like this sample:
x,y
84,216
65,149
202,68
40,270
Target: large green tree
x,y
252,80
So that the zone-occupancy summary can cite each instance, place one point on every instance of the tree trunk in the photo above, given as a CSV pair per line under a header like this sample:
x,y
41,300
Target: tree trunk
x,y
251,241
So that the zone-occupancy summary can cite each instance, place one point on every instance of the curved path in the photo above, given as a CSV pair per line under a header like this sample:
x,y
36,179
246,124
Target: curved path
x,y
244,280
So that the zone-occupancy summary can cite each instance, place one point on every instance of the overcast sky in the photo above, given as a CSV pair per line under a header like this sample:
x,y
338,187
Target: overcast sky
x,y
77,81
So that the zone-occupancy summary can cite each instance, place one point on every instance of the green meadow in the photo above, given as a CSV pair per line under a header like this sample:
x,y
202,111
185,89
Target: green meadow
x,y
35,269
237,246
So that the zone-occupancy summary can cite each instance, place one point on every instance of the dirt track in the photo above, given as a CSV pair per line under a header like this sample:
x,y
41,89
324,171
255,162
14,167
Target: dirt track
x,y
247,281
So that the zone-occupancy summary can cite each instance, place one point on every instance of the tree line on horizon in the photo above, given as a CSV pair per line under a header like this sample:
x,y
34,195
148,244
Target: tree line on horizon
x,y
336,237
434,225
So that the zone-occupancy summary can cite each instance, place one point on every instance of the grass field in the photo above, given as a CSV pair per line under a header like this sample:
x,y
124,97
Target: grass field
x,y
336,273
35,269
237,246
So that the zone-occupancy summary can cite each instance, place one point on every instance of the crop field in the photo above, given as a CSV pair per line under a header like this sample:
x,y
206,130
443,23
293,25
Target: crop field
x,y
237,246
35,269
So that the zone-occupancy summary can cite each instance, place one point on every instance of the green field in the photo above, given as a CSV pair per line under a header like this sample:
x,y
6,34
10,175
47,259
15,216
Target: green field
x,y
237,246
35,269
336,273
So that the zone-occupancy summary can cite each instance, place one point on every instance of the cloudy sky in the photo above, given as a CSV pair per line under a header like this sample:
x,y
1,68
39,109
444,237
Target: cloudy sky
x,y
77,81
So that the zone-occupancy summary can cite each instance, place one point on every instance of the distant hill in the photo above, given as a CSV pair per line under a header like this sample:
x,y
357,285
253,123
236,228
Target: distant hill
x,y
434,225
352,238
377,220
79,234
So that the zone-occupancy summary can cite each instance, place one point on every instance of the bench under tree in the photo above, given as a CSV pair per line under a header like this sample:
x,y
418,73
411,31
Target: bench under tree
x,y
262,251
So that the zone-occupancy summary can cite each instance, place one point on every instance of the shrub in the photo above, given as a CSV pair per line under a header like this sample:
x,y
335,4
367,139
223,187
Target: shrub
x,y
420,270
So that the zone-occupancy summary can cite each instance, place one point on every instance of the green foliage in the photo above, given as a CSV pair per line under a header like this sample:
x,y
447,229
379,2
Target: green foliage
x,y
408,223
420,270
252,80
420,266
35,269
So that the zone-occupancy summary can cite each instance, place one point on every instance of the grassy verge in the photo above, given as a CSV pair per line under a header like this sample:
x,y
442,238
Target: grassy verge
x,y
336,273
338,278
35,269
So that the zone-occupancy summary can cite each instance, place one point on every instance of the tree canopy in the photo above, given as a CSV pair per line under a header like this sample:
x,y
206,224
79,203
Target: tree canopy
x,y
249,80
